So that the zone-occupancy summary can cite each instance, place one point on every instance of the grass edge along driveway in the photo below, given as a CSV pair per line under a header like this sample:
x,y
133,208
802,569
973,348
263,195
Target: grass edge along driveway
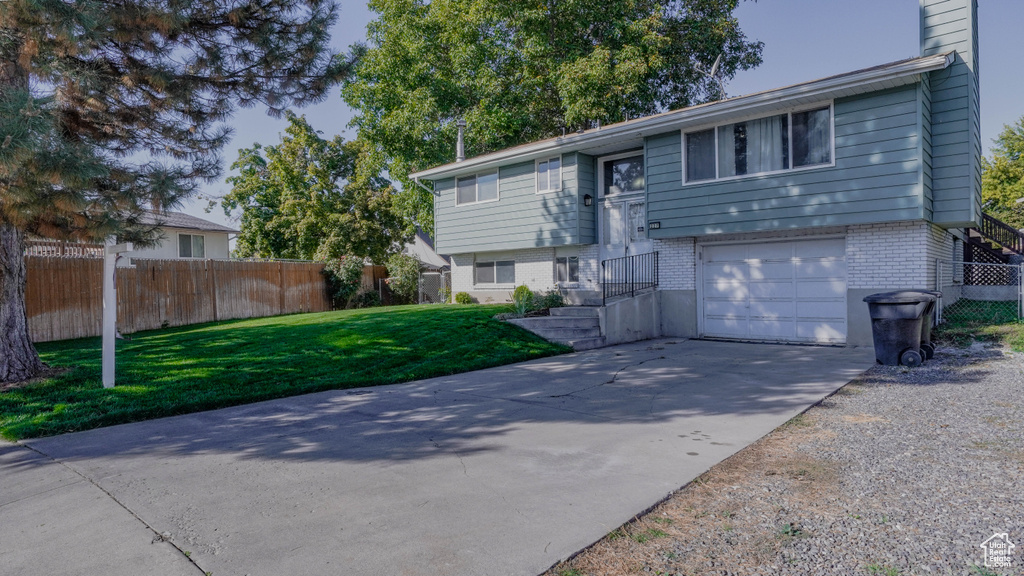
x,y
206,366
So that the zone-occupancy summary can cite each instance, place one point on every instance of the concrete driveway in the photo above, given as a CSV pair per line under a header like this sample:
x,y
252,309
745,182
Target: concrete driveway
x,y
501,471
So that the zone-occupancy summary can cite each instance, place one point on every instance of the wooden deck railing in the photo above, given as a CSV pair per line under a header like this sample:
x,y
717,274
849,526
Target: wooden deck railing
x,y
1001,233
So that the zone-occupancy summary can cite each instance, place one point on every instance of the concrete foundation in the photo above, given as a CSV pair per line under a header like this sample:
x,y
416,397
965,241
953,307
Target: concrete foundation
x,y
678,313
632,319
858,321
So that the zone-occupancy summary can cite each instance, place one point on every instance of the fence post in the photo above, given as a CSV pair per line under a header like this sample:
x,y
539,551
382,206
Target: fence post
x,y
1020,292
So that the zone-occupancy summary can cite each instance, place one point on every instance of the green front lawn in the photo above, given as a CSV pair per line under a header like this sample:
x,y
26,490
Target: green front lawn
x,y
194,368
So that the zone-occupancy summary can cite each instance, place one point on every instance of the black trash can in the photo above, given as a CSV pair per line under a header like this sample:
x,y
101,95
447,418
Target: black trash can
x,y
927,322
896,325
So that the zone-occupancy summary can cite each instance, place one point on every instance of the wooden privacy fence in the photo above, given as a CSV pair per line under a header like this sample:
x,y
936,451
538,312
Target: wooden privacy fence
x,y
64,295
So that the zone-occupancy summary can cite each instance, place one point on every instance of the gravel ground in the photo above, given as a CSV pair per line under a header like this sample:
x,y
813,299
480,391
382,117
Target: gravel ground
x,y
901,472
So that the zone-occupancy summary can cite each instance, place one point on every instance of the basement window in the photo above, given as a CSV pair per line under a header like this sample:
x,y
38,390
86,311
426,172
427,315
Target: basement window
x,y
567,269
500,272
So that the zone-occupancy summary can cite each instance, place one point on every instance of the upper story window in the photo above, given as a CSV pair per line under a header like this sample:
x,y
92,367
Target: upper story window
x,y
623,176
549,174
482,187
191,246
761,145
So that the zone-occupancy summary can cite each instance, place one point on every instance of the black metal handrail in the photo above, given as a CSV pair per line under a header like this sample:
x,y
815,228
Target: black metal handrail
x,y
1001,233
628,275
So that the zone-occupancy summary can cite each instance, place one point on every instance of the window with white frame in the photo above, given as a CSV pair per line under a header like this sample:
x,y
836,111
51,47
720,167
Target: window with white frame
x,y
760,145
497,272
567,269
549,174
191,246
482,187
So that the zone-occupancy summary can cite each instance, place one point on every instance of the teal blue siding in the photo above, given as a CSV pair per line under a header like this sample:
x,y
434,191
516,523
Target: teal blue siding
x,y
924,95
585,177
520,218
955,112
877,177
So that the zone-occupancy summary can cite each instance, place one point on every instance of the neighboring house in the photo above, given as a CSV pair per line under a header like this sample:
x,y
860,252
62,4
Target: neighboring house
x,y
772,214
186,236
422,249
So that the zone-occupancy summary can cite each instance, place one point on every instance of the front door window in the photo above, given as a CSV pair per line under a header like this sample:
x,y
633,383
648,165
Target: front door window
x,y
637,222
623,176
623,208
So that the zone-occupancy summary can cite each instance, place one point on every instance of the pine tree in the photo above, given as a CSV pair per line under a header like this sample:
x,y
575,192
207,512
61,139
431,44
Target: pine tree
x,y
108,107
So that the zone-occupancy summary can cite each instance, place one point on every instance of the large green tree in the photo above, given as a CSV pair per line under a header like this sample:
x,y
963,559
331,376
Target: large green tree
x,y
312,198
1002,179
522,70
110,106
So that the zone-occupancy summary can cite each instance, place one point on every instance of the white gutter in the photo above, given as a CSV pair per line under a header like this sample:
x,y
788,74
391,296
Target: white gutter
x,y
670,120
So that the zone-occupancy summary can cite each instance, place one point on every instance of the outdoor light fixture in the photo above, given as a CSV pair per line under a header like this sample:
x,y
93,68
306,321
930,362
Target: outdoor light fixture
x,y
588,200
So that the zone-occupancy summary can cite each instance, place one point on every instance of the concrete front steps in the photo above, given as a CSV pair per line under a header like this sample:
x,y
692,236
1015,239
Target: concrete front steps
x,y
575,326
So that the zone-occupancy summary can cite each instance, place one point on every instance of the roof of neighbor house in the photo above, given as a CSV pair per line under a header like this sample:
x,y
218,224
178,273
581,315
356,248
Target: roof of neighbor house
x,y
606,139
168,219
422,249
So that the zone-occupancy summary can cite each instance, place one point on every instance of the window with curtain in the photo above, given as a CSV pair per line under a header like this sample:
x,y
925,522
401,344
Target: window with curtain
x,y
812,137
700,155
567,269
481,187
760,145
754,146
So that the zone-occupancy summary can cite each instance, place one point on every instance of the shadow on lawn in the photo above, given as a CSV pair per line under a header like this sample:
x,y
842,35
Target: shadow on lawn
x,y
470,413
184,370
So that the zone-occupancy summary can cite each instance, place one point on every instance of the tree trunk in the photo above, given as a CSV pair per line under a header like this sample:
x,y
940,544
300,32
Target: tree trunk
x,y
18,357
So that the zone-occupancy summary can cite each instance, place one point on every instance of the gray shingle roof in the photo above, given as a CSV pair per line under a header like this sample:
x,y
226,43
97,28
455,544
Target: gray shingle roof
x,y
168,219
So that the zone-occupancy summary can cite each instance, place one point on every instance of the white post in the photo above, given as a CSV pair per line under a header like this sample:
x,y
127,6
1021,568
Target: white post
x,y
110,254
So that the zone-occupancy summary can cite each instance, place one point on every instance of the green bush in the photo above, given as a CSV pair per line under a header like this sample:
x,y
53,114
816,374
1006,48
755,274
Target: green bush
x,y
446,294
404,276
549,299
344,278
367,299
522,300
463,298
521,292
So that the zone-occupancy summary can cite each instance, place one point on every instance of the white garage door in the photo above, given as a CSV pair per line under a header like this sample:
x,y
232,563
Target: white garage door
x,y
778,291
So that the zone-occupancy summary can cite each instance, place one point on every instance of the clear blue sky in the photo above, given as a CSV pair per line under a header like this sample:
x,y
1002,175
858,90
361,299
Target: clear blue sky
x,y
804,40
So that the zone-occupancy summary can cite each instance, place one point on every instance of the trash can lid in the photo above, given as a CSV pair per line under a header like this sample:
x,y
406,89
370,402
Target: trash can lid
x,y
935,293
900,297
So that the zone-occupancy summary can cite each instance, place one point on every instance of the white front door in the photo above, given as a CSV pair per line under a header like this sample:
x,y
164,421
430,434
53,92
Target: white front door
x,y
791,291
623,211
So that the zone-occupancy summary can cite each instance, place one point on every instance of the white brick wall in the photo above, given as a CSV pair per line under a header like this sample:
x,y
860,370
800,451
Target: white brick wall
x,y
590,267
535,267
462,273
676,264
878,256
895,255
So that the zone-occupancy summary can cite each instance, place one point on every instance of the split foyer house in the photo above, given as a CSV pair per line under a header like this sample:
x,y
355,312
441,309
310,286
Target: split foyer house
x,y
760,217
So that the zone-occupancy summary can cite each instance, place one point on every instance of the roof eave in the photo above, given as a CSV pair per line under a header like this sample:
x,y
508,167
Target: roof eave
x,y
708,111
